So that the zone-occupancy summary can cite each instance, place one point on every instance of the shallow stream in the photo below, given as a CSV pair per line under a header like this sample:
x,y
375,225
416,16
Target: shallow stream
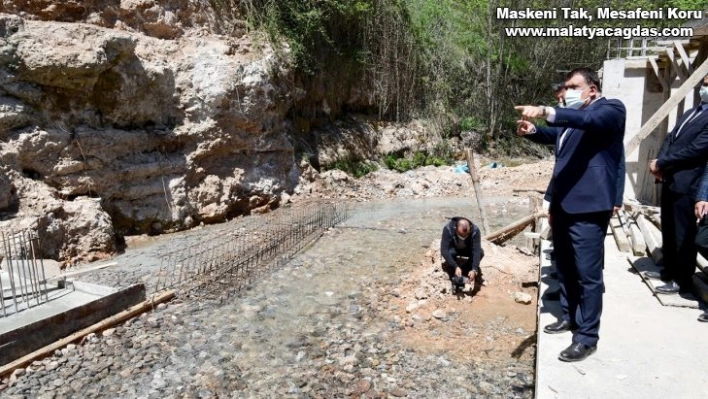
x,y
311,328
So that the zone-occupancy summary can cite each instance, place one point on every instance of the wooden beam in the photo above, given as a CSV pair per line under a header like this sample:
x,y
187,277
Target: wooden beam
x,y
102,325
477,190
684,56
652,236
632,144
620,236
677,67
639,245
657,72
510,230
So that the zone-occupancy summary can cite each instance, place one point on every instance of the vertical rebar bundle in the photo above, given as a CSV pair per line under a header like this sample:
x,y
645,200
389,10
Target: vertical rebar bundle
x,y
229,261
22,278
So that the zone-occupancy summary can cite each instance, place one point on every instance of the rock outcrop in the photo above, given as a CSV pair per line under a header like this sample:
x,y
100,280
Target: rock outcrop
x,y
119,133
148,116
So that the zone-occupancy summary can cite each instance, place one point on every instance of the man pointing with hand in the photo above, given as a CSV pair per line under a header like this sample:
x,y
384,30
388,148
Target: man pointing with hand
x,y
588,136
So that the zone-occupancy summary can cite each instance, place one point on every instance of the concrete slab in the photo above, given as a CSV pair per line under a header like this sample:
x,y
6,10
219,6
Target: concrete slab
x,y
68,311
646,350
23,278
60,300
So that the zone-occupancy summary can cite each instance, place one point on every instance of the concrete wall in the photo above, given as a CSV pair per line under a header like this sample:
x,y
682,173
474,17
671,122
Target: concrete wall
x,y
634,83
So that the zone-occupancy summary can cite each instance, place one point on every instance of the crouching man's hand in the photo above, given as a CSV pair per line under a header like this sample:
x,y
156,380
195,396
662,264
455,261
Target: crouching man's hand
x,y
458,272
472,274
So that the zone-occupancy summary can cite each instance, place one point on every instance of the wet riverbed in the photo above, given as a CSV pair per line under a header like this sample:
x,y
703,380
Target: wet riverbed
x,y
313,327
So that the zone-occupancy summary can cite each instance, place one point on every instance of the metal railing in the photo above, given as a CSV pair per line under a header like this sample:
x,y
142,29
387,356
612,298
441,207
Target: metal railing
x,y
22,278
227,262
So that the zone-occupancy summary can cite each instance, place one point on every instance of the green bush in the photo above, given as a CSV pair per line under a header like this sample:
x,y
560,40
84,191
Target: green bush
x,y
471,123
398,163
435,161
420,158
390,161
357,169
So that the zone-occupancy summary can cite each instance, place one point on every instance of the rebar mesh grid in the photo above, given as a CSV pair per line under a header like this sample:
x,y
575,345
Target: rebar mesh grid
x,y
228,261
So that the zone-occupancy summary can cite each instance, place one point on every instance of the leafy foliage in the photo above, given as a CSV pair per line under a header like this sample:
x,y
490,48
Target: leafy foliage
x,y
357,169
447,60
419,158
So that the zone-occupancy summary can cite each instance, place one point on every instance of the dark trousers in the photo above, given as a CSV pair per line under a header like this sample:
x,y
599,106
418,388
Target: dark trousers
x,y
678,233
465,265
579,246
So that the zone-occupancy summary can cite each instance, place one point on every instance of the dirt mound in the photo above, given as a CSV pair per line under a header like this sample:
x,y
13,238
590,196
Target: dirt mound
x,y
503,180
425,182
484,326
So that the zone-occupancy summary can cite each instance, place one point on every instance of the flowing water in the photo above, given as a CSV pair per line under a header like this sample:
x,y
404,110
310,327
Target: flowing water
x,y
313,327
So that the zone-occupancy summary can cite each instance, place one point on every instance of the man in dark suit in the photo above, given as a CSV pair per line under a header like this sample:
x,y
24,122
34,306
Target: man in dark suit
x,y
588,137
679,165
701,213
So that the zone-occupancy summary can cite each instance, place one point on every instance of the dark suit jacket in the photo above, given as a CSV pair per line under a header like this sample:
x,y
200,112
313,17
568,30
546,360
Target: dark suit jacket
x,y
585,176
683,158
702,193
621,174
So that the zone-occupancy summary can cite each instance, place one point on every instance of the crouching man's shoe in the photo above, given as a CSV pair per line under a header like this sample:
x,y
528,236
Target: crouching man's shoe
x,y
558,327
576,352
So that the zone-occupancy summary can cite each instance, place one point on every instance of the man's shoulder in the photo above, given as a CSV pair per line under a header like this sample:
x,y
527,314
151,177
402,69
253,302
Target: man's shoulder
x,y
475,229
691,110
611,102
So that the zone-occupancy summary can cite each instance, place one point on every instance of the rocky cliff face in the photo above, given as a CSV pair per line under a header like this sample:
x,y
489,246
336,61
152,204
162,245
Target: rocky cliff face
x,y
123,117
111,131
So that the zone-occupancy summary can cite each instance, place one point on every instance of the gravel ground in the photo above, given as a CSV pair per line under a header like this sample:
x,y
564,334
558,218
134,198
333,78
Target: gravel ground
x,y
320,326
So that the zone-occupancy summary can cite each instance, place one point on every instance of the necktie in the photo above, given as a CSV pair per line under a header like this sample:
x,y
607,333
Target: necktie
x,y
693,116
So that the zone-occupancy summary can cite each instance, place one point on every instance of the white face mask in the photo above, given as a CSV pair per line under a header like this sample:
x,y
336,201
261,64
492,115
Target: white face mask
x,y
572,98
703,92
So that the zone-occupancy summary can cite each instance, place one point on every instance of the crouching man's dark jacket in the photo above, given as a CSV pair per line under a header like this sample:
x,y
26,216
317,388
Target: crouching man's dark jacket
x,y
451,247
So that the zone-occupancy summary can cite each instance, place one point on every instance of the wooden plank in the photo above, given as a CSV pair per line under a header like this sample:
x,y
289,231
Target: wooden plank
x,y
619,234
633,143
644,264
102,325
477,190
639,245
19,342
677,67
667,43
512,229
684,56
657,72
655,220
652,236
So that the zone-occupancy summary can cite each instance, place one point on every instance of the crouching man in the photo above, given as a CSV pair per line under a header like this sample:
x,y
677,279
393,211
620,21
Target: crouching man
x,y
461,249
